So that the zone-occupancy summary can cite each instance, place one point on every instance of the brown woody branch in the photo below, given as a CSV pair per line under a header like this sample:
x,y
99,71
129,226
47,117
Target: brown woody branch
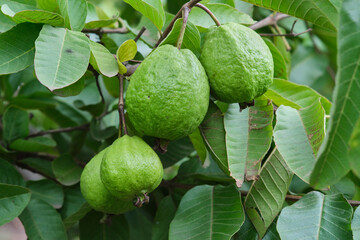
x,y
60,130
269,21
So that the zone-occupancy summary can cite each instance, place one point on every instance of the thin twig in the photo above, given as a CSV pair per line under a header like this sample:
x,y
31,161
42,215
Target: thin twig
x,y
171,24
121,106
27,167
269,21
287,45
138,36
96,75
217,22
100,31
185,15
291,34
60,130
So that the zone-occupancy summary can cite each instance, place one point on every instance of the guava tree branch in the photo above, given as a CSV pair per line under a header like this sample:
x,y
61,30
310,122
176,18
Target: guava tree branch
x,y
291,34
177,16
138,36
83,127
170,184
100,31
121,106
185,15
269,21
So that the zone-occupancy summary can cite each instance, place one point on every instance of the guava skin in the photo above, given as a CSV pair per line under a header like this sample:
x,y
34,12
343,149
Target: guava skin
x,y
168,95
130,168
238,63
96,194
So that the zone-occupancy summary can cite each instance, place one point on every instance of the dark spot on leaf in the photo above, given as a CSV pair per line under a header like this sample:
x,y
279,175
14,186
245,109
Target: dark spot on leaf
x,y
148,96
68,51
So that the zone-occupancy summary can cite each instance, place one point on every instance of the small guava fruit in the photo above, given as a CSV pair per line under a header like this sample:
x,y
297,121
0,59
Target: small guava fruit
x,y
168,95
238,63
95,192
130,168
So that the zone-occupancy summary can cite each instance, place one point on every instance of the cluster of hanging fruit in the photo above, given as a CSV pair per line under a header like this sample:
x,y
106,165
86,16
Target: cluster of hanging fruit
x,y
167,98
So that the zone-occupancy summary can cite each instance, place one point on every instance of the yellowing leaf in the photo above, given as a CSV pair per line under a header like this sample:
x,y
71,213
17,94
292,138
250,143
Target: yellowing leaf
x,y
126,51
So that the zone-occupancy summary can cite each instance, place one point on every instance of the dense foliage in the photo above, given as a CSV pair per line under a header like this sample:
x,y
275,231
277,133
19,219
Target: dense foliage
x,y
286,166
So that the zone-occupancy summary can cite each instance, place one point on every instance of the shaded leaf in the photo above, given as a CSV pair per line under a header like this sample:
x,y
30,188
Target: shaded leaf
x,y
152,9
191,38
316,216
42,165
68,60
75,206
47,191
298,135
74,13
102,60
198,144
283,92
280,66
66,171
5,23
17,47
93,20
176,151
9,175
224,13
42,221
204,214
37,144
91,227
324,13
15,124
13,200
345,111
164,216
267,194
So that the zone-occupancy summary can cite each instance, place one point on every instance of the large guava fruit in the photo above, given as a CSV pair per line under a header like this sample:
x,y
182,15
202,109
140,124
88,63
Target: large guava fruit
x,y
238,63
130,168
168,95
96,194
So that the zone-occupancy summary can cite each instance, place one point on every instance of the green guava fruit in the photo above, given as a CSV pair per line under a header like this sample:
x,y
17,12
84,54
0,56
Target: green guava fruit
x,y
130,168
168,95
95,192
238,63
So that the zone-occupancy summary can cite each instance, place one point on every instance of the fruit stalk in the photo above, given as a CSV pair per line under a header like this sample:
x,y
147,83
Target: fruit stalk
x,y
217,22
185,15
121,106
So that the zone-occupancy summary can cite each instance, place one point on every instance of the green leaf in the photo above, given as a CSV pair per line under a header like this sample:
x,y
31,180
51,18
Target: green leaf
x,y
75,206
62,57
164,216
152,9
191,38
74,13
198,144
283,92
127,51
73,89
267,194
9,175
5,23
316,216
13,200
17,47
47,191
213,132
298,135
37,144
93,21
176,151
47,5
224,13
345,111
280,66
92,228
354,150
25,13
66,171
42,221
203,213
324,13
15,124
248,138
102,60
40,164
355,224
